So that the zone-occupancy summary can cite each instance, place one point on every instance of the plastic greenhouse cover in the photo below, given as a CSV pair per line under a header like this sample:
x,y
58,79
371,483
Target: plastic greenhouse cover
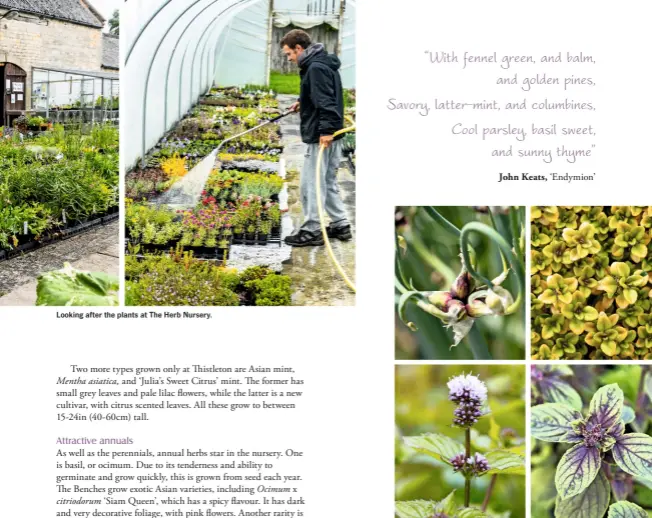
x,y
177,49
170,62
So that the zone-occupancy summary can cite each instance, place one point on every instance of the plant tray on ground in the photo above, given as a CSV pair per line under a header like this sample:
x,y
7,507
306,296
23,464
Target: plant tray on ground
x,y
53,236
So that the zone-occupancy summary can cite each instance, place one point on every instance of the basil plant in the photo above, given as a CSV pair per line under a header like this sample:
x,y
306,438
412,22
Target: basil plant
x,y
601,457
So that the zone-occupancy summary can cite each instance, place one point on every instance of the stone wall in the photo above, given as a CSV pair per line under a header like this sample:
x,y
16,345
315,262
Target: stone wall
x,y
57,44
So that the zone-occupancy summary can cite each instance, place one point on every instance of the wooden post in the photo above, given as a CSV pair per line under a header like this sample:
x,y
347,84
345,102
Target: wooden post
x,y
270,33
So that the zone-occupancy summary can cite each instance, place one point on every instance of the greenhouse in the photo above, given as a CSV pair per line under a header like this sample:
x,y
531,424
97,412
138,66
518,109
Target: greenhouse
x,y
213,154
74,96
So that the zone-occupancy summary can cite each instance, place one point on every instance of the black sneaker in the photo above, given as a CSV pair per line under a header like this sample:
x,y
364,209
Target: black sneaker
x,y
305,238
342,233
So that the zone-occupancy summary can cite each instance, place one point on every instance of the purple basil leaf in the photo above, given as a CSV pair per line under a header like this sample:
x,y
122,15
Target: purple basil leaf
x,y
622,486
617,430
592,503
633,454
640,424
552,422
647,384
555,390
576,470
556,370
607,405
626,510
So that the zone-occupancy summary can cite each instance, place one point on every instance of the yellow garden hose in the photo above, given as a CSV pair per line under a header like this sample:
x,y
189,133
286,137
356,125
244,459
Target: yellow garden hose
x,y
320,208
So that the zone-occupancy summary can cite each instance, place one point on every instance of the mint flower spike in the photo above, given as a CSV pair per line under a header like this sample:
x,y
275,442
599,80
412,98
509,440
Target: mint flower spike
x,y
470,394
601,431
476,465
467,386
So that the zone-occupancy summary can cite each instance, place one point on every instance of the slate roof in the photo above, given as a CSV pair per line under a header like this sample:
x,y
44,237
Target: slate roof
x,y
75,11
110,51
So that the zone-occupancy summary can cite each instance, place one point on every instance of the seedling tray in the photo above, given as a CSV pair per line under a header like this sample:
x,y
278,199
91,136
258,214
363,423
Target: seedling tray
x,y
57,235
203,253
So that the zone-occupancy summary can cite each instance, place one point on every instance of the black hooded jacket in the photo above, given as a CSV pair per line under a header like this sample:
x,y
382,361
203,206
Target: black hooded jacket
x,y
322,102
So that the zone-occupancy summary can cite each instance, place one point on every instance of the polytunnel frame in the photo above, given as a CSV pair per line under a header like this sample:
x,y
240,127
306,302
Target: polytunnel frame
x,y
155,55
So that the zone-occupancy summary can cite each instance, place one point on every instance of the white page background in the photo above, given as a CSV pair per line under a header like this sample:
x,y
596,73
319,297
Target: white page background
x,y
345,426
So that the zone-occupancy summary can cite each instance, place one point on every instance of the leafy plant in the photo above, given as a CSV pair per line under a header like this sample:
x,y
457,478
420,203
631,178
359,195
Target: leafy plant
x,y
602,456
104,137
272,290
497,454
179,279
590,278
263,185
232,201
465,297
70,287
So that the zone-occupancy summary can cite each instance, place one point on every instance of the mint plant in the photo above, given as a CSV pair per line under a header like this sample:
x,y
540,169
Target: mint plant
x,y
470,395
602,457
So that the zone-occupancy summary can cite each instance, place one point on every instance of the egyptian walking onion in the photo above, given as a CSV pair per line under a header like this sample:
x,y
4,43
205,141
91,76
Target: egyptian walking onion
x,y
599,446
470,395
472,295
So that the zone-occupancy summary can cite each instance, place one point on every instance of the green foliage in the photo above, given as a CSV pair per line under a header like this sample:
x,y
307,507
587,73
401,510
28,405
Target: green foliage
x,y
70,287
230,185
105,137
180,280
607,451
590,503
426,441
626,510
55,174
590,283
166,282
428,264
233,202
436,445
273,290
114,23
285,83
36,122
349,98
428,509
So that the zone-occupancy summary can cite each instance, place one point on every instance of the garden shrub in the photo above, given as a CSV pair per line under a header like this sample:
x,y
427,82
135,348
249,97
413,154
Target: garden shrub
x,y
168,283
181,280
271,290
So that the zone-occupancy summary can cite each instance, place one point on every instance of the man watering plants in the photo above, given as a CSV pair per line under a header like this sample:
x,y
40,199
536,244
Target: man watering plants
x,y
321,107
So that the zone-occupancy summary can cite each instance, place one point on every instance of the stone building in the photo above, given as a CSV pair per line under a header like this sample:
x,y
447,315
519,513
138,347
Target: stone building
x,y
39,36
111,53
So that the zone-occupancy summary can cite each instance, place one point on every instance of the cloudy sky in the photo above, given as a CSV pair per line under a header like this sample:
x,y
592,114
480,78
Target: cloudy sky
x,y
106,7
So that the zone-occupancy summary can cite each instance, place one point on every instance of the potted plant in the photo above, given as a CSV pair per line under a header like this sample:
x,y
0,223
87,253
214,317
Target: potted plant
x,y
250,236
238,231
211,240
264,229
21,124
186,239
223,249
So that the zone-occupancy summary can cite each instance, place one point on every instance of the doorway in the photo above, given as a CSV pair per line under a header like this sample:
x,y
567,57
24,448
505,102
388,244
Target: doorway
x,y
14,83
